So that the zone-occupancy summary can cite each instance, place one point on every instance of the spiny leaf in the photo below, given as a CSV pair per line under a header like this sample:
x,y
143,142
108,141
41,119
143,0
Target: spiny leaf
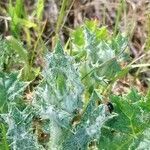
x,y
59,48
10,89
131,124
88,130
58,98
78,37
20,132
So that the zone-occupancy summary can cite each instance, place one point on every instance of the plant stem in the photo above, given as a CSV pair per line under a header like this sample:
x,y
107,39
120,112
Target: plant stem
x,y
60,20
37,42
119,12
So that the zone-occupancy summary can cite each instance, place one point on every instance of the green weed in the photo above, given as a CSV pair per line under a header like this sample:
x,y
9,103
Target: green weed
x,y
71,106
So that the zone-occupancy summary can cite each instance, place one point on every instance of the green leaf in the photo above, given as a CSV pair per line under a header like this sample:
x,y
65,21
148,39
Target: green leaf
x,y
102,33
101,57
59,48
4,54
16,46
129,128
98,51
3,138
40,8
20,132
91,25
119,43
144,141
16,12
19,10
90,108
78,37
26,23
134,95
10,90
58,98
89,130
